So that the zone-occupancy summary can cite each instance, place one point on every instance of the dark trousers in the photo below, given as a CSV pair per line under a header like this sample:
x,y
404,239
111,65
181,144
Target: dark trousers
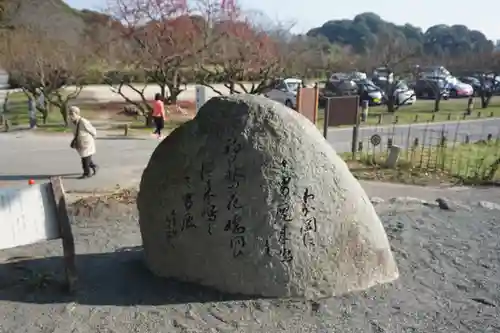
x,y
159,124
87,164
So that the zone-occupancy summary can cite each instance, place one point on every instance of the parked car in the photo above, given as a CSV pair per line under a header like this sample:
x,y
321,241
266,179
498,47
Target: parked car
x,y
474,82
494,82
431,72
338,77
368,91
429,88
285,91
382,74
337,87
458,88
404,95
340,88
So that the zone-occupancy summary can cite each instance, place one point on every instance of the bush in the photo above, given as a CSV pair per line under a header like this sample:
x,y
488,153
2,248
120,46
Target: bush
x,y
14,81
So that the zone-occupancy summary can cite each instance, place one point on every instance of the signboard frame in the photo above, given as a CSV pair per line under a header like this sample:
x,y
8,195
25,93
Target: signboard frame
x,y
305,106
56,224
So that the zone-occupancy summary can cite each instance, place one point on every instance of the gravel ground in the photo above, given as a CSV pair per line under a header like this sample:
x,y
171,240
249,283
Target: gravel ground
x,y
449,262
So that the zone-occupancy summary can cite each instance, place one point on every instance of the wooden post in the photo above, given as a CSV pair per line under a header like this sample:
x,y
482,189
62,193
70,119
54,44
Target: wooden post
x,y
7,125
380,119
443,140
126,128
449,116
416,118
492,114
316,102
326,118
470,105
479,114
360,146
364,110
355,132
433,117
297,100
68,242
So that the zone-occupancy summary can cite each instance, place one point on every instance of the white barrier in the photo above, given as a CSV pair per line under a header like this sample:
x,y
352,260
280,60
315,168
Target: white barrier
x,y
34,214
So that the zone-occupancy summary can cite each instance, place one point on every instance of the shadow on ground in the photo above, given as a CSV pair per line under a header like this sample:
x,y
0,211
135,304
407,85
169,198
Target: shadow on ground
x,y
118,278
120,137
36,177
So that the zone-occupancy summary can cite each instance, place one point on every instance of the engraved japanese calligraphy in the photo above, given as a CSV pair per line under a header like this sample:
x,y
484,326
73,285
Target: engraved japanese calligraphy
x,y
310,224
171,225
187,200
284,214
210,210
234,176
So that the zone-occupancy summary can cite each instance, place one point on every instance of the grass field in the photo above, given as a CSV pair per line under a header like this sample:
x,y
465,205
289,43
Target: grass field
x,y
473,164
420,112
106,115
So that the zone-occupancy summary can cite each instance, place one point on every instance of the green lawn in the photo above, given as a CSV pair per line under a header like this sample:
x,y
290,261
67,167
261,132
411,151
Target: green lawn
x,y
422,111
474,164
18,113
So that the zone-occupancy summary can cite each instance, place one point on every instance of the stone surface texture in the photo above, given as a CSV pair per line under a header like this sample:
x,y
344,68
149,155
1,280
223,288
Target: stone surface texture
x,y
249,198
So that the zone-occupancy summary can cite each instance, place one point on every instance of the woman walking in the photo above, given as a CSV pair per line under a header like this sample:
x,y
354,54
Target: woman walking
x,y
158,115
83,141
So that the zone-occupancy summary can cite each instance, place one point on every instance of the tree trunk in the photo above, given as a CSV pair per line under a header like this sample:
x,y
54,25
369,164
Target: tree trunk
x,y
390,105
485,94
175,91
148,119
63,109
391,100
163,91
437,102
45,114
486,99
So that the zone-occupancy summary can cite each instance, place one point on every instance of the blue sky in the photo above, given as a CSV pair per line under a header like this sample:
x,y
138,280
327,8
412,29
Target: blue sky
x,y
422,13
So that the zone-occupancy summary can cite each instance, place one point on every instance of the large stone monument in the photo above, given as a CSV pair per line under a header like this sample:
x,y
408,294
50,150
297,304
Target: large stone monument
x,y
249,198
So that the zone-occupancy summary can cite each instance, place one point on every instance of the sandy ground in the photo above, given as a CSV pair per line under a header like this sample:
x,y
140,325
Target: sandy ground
x,y
449,262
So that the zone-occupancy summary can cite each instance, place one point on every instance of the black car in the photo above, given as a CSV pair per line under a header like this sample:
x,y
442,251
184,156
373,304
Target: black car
x,y
337,88
341,88
429,88
368,91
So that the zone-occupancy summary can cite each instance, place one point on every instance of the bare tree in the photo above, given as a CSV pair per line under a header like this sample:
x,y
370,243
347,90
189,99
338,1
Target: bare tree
x,y
163,37
393,55
240,52
489,69
8,9
41,65
312,57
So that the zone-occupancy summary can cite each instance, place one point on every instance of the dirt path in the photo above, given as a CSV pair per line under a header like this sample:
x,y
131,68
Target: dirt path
x,y
449,263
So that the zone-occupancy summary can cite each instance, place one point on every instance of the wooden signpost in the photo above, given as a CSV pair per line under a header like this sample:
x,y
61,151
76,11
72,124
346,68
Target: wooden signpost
x,y
38,213
307,102
343,110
